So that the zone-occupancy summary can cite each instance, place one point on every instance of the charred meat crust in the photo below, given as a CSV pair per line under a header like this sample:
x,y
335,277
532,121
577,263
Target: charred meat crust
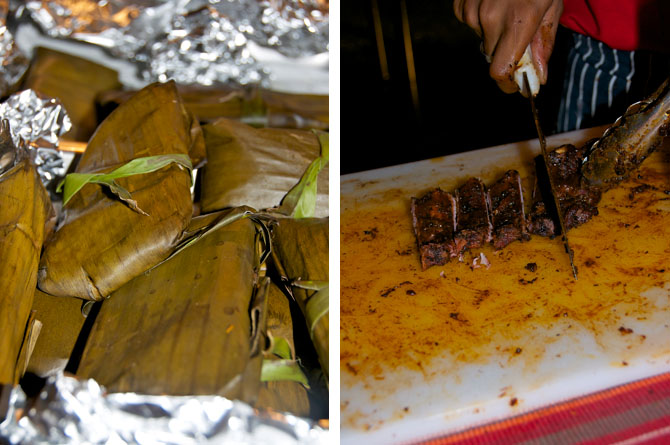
x,y
434,221
564,164
434,217
473,221
507,212
434,254
579,205
578,201
540,221
542,218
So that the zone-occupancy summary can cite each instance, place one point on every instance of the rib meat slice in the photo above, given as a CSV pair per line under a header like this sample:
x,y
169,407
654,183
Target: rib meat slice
x,y
472,217
542,218
578,201
540,221
434,221
507,213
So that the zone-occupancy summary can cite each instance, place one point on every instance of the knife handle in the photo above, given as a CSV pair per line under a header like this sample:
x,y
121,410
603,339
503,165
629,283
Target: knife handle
x,y
526,66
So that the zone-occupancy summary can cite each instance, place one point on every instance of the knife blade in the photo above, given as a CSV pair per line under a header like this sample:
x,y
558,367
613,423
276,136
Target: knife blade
x,y
530,90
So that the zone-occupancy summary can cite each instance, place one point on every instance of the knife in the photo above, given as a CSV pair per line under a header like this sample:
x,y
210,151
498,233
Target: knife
x,y
529,85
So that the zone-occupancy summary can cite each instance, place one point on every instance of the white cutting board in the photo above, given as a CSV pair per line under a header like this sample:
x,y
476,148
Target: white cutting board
x,y
426,353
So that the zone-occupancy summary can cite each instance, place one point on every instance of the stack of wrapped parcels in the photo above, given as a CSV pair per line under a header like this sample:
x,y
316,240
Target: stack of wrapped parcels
x,y
189,254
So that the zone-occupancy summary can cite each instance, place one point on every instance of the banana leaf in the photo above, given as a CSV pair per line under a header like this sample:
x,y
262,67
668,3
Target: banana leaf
x,y
207,104
296,110
257,167
281,395
260,108
61,321
186,327
103,242
25,209
301,200
76,82
300,253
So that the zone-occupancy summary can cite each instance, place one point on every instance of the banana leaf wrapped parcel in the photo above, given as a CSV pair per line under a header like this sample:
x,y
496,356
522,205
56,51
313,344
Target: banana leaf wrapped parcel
x,y
253,106
296,110
190,326
257,167
61,321
300,253
25,212
108,236
205,103
76,82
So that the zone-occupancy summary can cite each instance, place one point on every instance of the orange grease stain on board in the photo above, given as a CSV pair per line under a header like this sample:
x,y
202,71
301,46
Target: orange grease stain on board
x,y
395,315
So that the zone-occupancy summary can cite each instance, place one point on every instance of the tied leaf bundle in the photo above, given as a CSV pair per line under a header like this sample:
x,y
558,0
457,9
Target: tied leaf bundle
x,y
186,327
300,252
24,213
102,243
258,167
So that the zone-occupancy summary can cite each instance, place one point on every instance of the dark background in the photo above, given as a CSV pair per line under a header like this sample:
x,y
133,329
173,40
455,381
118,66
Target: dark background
x,y
459,107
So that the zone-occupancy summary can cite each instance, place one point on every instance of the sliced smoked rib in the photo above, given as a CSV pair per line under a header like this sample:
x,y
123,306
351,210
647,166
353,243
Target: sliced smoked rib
x,y
447,225
540,222
434,221
507,213
542,218
473,222
578,202
434,216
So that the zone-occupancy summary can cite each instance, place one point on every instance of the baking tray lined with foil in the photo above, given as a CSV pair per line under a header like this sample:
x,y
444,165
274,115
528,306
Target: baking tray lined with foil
x,y
191,41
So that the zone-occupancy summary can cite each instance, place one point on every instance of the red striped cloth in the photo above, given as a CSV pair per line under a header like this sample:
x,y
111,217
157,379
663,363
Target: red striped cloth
x,y
635,413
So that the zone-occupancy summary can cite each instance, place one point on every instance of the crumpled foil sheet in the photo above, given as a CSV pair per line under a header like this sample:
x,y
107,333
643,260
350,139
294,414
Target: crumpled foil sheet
x,y
192,41
79,411
13,63
37,122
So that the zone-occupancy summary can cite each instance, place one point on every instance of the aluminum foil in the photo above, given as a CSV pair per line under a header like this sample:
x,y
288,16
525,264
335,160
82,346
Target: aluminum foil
x,y
192,41
13,63
36,122
73,411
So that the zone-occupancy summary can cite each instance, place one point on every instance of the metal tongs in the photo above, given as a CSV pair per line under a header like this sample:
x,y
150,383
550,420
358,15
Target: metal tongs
x,y
529,85
634,136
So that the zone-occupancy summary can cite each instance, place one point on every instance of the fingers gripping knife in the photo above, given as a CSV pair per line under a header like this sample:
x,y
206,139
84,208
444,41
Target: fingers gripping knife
x,y
529,85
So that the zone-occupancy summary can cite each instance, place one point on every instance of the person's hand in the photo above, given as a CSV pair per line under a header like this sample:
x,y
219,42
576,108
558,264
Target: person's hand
x,y
507,27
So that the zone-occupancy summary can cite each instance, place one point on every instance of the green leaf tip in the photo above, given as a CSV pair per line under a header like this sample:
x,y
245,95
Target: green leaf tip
x,y
316,308
300,201
281,348
76,181
278,370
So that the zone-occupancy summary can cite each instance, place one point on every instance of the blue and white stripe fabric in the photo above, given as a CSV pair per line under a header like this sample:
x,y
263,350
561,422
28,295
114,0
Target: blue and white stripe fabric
x,y
596,85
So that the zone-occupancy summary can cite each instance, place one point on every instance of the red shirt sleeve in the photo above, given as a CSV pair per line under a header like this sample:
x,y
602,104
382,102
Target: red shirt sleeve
x,y
621,24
